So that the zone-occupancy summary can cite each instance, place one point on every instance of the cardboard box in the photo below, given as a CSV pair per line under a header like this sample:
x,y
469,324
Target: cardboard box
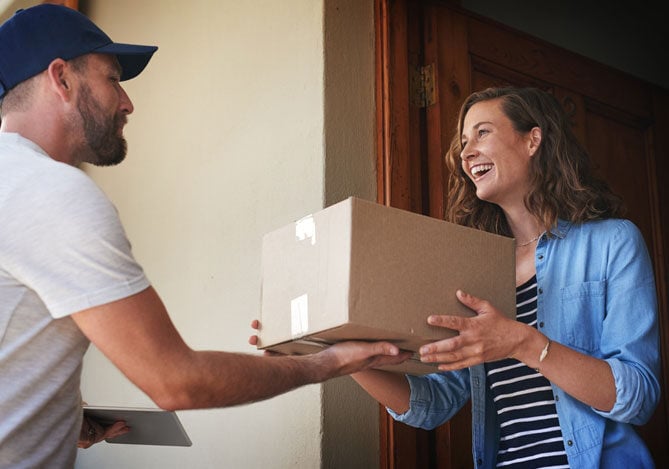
x,y
358,270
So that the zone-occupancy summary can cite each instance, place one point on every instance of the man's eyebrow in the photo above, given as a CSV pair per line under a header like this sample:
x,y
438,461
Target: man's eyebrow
x,y
116,66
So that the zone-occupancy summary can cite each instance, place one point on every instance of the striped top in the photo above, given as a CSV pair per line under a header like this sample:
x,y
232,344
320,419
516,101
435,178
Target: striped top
x,y
530,435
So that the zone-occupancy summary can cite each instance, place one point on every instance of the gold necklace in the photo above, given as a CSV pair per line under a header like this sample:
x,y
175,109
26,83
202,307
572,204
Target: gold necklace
x,y
528,242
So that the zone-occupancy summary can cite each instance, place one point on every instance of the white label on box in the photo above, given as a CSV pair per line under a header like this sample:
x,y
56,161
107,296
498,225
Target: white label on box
x,y
299,315
305,228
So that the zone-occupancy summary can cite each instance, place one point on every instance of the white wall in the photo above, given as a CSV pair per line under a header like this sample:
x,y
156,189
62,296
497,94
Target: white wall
x,y
236,118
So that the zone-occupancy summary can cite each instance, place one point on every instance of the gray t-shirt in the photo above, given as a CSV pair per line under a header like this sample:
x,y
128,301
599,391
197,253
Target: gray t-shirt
x,y
62,250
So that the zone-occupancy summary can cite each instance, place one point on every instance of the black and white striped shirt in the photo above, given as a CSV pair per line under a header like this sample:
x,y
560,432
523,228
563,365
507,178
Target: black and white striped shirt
x,y
530,435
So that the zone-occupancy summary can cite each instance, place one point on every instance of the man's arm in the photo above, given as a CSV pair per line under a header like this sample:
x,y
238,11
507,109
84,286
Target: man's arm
x,y
137,335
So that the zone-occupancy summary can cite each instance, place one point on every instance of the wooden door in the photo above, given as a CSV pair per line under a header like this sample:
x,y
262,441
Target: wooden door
x,y
618,118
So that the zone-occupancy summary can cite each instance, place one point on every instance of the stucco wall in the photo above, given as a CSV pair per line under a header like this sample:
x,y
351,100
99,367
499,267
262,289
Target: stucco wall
x,y
228,141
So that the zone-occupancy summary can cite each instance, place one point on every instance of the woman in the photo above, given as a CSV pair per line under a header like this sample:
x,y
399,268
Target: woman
x,y
561,385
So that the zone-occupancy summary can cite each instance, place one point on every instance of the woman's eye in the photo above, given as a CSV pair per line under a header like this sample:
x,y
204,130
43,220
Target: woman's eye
x,y
482,132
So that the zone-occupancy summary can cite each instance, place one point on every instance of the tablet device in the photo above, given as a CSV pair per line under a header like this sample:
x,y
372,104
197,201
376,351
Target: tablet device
x,y
147,426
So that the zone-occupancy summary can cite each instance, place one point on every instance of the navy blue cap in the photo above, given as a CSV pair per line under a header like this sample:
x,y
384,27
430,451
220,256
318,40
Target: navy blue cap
x,y
32,38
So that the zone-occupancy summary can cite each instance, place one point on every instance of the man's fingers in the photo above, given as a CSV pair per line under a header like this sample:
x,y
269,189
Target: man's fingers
x,y
255,324
385,348
355,356
386,353
383,360
117,429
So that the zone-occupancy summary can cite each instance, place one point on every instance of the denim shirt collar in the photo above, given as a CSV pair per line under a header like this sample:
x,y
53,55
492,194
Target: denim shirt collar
x,y
561,229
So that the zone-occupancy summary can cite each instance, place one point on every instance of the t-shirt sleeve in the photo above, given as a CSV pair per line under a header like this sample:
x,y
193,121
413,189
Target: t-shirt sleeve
x,y
64,240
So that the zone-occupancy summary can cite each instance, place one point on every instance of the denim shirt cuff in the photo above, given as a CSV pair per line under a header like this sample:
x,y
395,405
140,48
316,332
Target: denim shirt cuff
x,y
630,396
419,401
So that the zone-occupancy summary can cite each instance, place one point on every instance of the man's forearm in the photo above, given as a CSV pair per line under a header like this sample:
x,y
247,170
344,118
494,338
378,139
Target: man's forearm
x,y
220,379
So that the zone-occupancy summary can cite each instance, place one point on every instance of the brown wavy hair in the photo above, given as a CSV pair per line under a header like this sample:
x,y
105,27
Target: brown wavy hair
x,y
562,184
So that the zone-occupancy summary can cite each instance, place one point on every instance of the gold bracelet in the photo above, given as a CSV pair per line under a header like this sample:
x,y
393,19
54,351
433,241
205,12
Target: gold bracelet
x,y
544,352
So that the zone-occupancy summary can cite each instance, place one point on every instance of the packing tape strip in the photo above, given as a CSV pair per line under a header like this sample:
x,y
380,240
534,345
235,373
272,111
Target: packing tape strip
x,y
305,228
299,315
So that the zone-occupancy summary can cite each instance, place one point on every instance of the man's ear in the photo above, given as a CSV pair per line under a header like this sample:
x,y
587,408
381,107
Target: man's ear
x,y
59,76
534,140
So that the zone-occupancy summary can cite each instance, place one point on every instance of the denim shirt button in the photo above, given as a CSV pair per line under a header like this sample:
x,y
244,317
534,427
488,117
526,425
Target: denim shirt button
x,y
541,256
479,462
541,290
570,443
541,324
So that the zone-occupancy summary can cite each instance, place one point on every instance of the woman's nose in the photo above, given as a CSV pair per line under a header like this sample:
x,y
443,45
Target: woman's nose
x,y
467,152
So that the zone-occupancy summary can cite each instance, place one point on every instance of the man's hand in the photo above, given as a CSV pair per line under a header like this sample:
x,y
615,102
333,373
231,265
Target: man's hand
x,y
349,357
93,432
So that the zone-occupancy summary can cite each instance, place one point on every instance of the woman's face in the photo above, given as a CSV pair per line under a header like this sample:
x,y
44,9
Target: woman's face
x,y
495,156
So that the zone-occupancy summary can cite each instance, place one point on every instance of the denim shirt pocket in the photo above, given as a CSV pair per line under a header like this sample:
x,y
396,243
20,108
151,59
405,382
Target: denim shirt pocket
x,y
583,308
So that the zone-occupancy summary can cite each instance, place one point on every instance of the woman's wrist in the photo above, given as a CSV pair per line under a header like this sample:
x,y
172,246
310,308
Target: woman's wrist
x,y
533,349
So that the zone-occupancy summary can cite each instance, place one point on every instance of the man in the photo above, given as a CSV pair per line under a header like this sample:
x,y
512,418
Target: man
x,y
67,274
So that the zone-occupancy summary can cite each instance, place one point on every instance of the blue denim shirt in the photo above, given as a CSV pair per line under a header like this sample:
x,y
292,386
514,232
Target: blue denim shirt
x,y
595,294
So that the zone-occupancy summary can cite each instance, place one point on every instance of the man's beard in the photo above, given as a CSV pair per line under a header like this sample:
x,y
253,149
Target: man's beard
x,y
103,145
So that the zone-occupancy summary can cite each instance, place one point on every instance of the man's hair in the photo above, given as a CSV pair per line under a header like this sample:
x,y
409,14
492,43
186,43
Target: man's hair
x,y
562,183
18,98
79,64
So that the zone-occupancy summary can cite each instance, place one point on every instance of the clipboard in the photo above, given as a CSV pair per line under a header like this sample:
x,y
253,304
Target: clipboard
x,y
148,426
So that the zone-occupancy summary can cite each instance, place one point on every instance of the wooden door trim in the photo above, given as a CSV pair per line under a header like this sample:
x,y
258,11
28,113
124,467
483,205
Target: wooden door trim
x,y
392,107
382,93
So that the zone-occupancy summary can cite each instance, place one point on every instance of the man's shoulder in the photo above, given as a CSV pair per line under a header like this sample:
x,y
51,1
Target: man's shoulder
x,y
27,172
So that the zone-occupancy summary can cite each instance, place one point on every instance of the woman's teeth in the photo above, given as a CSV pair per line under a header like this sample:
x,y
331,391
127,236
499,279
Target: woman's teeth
x,y
480,169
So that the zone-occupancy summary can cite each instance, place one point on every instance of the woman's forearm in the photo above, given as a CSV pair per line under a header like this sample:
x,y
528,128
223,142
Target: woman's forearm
x,y
588,379
389,389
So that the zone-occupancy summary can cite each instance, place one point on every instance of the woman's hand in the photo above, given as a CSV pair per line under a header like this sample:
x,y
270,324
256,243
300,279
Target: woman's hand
x,y
486,337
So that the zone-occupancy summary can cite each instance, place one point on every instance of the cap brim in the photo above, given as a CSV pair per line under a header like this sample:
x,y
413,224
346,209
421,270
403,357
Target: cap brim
x,y
132,58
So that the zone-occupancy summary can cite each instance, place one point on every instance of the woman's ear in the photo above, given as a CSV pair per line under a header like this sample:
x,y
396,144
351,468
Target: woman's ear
x,y
534,140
